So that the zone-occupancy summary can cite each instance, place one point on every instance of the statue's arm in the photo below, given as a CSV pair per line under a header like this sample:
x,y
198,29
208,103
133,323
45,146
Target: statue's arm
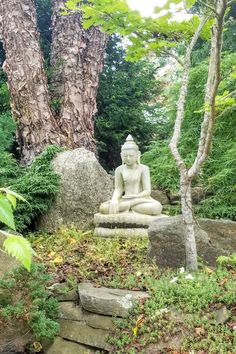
x,y
117,194
146,183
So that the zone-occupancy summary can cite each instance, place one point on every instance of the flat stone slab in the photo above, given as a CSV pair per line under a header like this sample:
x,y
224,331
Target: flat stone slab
x,y
124,220
69,311
126,233
81,333
62,346
107,301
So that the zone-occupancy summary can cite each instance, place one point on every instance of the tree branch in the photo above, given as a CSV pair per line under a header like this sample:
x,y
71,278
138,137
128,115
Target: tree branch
x,y
182,97
208,6
173,55
213,81
226,110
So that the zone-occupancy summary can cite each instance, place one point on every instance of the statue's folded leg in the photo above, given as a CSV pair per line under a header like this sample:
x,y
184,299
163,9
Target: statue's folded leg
x,y
124,206
104,208
148,208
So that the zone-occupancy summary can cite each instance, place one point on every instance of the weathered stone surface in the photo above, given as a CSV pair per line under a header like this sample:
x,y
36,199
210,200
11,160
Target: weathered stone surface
x,y
97,321
126,233
107,301
123,224
7,263
82,333
63,292
69,311
221,315
61,346
84,186
198,194
124,220
161,196
214,238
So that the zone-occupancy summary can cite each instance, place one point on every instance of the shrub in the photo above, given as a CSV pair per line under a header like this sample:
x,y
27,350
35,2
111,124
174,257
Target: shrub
x,y
38,184
29,300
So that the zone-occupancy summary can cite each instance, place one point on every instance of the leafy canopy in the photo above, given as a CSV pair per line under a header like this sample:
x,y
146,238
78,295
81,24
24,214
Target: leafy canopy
x,y
145,34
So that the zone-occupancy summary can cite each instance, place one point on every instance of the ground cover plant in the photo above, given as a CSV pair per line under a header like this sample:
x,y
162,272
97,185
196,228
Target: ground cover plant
x,y
25,297
182,308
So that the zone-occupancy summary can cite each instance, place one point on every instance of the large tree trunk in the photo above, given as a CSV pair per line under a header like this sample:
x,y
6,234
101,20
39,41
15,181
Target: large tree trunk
x,y
77,59
36,126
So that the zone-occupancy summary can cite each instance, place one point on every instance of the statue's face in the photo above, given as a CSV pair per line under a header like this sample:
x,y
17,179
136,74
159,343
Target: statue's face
x,y
129,157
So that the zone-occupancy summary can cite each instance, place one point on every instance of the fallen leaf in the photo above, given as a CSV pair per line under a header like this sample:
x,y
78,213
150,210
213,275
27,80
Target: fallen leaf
x,y
51,254
58,260
72,241
223,281
199,331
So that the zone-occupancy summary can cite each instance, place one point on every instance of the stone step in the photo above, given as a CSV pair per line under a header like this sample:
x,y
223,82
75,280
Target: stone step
x,y
107,301
62,346
69,311
82,333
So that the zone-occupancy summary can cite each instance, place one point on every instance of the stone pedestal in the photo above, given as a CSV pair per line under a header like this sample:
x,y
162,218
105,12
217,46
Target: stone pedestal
x,y
123,224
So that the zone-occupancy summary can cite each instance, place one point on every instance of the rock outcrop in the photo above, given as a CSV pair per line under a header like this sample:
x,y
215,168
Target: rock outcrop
x,y
84,186
167,240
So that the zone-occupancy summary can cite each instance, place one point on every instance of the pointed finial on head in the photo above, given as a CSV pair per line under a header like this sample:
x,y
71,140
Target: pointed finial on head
x,y
129,138
129,144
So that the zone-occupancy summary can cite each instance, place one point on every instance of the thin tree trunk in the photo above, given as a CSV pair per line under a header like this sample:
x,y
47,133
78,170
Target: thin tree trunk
x,y
187,212
36,126
77,60
186,175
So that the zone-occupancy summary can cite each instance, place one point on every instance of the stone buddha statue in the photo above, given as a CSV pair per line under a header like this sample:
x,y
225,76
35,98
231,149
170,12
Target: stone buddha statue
x,y
132,185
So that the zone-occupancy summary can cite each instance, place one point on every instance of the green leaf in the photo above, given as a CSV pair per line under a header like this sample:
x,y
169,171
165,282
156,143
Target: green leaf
x,y
6,213
16,195
11,199
20,248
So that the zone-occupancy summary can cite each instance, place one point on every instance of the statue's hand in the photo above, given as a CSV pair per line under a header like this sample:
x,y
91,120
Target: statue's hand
x,y
114,207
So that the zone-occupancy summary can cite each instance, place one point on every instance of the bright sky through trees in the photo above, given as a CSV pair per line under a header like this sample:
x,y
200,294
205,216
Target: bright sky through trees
x,y
145,7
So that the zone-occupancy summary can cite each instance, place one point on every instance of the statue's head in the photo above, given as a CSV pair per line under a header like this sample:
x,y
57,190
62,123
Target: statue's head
x,y
130,153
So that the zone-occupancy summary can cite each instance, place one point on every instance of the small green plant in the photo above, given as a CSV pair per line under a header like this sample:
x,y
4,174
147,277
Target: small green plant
x,y
29,300
227,262
15,245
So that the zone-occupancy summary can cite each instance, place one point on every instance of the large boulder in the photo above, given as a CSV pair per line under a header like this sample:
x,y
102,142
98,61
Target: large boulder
x,y
167,240
84,186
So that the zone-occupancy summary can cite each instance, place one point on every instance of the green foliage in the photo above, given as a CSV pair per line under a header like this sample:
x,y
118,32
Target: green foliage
x,y
227,262
30,301
180,306
4,94
44,19
19,248
124,96
218,174
16,246
38,184
7,131
145,35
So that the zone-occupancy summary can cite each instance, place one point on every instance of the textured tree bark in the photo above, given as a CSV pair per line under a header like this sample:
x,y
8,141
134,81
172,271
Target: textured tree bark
x,y
36,126
77,60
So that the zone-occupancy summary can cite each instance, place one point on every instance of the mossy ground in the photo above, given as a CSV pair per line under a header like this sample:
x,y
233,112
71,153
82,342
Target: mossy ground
x,y
181,305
